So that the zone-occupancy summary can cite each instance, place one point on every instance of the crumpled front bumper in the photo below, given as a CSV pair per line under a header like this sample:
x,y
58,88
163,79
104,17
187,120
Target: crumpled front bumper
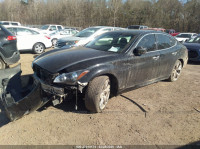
x,y
17,100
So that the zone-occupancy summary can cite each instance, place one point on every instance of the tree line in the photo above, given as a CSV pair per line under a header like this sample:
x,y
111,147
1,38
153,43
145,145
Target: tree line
x,y
168,14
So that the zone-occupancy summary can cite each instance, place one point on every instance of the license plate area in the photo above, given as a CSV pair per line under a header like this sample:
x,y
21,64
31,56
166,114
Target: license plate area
x,y
52,90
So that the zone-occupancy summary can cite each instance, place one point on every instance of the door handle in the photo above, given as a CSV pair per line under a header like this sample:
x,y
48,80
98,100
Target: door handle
x,y
174,53
156,57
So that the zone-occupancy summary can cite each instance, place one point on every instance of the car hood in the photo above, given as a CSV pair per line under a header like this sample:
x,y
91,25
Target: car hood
x,y
72,59
64,39
192,45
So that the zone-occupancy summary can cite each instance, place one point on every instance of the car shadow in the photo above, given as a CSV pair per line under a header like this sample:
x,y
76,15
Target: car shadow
x,y
193,145
193,63
26,52
3,118
68,105
135,103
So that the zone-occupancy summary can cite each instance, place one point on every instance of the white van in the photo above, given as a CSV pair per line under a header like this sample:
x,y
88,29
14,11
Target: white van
x,y
50,28
10,23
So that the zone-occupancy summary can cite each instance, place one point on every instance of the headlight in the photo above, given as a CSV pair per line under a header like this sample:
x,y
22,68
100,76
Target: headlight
x,y
70,78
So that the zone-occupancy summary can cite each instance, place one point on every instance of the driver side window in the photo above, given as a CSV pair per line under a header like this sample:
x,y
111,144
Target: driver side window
x,y
148,42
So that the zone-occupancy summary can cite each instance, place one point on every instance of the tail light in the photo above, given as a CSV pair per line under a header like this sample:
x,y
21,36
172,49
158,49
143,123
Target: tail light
x,y
11,38
47,37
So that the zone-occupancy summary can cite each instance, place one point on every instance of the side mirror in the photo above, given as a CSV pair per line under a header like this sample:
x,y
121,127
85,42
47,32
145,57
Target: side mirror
x,y
50,29
140,51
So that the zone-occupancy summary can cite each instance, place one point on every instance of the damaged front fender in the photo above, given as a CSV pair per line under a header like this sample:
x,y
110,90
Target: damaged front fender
x,y
17,100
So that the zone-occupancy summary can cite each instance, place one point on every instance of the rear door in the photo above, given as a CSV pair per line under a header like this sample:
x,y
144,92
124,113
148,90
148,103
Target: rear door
x,y
25,39
168,53
144,68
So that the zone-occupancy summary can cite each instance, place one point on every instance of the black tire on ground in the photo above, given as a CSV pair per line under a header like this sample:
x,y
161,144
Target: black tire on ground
x,y
97,94
2,64
176,71
38,48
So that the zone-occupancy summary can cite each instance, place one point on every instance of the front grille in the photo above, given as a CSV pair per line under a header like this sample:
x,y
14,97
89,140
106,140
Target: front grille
x,y
192,54
44,75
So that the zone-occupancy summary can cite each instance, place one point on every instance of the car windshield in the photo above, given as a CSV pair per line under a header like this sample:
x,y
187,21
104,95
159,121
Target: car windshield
x,y
194,40
112,42
87,32
184,35
45,27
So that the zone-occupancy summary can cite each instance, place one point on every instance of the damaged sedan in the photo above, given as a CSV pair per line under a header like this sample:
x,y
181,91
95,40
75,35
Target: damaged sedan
x,y
112,63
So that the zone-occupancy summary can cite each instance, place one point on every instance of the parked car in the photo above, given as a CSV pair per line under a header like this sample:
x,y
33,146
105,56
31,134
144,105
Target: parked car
x,y
9,23
110,64
50,28
137,27
8,49
193,46
156,29
182,37
62,33
84,36
29,39
172,32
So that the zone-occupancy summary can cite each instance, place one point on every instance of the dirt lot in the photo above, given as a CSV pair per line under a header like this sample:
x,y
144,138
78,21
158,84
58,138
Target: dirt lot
x,y
158,114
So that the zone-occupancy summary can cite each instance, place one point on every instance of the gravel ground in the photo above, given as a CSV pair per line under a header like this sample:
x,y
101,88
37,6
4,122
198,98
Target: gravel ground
x,y
159,114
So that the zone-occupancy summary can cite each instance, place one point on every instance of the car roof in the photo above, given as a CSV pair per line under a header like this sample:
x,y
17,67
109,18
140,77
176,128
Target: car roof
x,y
53,24
136,31
187,33
15,26
101,27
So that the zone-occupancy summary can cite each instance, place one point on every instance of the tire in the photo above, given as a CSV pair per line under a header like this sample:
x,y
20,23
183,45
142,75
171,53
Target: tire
x,y
2,64
38,48
97,94
54,41
176,71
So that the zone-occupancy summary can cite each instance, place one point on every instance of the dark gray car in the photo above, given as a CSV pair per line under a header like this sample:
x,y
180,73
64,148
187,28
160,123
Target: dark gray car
x,y
109,65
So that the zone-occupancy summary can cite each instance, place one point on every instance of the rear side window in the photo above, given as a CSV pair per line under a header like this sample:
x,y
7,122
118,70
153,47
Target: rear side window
x,y
5,23
15,24
13,30
148,42
59,27
74,32
23,31
164,41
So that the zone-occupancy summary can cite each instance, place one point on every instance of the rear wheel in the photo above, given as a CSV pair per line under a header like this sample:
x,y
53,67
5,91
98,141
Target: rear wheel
x,y
38,48
176,72
97,94
2,64
54,41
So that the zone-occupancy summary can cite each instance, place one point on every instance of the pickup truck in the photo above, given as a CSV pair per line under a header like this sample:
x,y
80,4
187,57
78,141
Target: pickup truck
x,y
172,32
50,28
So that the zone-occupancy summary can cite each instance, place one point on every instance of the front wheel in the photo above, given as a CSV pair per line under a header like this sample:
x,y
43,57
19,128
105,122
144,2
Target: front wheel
x,y
176,72
38,48
97,94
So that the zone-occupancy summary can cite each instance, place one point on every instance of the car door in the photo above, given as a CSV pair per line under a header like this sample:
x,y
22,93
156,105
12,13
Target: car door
x,y
25,39
144,68
168,53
